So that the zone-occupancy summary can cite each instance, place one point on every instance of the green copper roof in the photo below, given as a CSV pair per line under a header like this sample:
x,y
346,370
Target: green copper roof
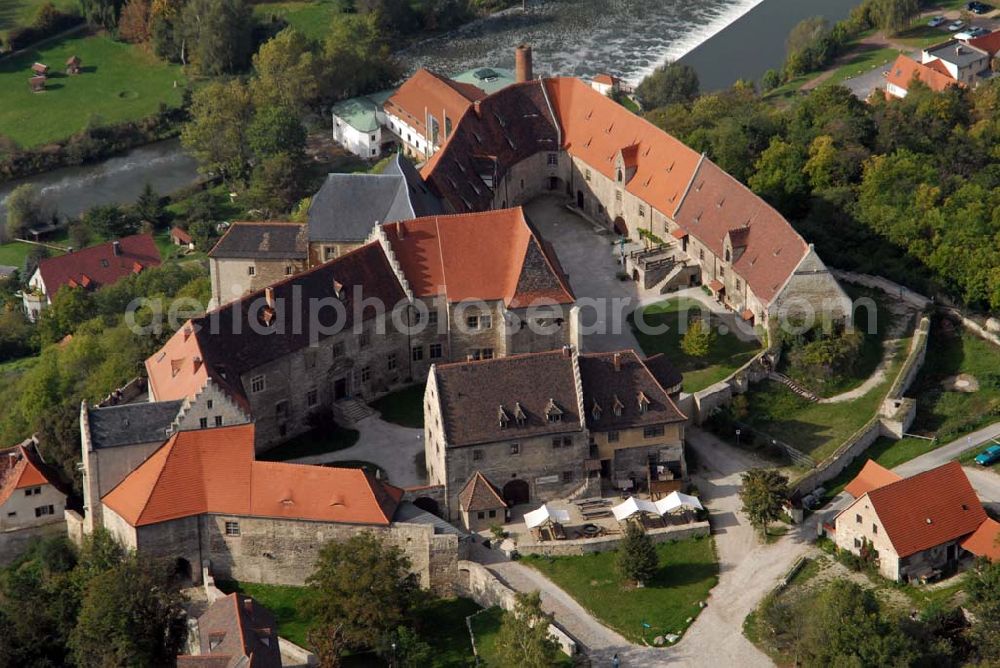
x,y
489,79
358,112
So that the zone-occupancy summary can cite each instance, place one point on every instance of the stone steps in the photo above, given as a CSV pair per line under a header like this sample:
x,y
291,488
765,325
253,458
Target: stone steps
x,y
351,411
793,386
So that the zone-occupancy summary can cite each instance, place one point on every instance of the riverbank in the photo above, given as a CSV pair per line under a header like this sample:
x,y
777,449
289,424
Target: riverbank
x,y
755,42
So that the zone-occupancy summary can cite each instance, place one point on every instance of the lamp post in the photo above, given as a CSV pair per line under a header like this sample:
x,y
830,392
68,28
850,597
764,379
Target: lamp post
x,y
737,438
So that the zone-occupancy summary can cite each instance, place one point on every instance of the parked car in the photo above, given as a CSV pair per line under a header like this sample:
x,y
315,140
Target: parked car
x,y
979,31
955,26
979,7
936,21
964,35
989,456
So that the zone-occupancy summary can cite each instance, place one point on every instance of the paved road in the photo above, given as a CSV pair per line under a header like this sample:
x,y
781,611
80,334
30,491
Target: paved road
x,y
748,570
592,264
391,446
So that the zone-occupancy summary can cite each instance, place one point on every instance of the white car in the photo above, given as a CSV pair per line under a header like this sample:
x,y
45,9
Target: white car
x,y
936,21
964,35
955,26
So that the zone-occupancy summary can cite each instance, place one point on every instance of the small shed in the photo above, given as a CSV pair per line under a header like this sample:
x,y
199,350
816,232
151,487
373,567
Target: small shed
x,y
73,65
179,237
37,84
40,69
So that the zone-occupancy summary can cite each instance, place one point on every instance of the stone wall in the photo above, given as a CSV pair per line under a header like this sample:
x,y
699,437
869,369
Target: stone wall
x,y
14,542
477,582
231,278
914,299
564,548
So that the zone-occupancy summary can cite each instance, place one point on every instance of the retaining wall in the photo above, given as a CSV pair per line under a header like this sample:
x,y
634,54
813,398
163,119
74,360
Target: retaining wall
x,y
566,548
477,582
14,542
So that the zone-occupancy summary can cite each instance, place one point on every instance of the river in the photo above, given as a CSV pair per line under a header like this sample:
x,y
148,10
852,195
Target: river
x,y
627,38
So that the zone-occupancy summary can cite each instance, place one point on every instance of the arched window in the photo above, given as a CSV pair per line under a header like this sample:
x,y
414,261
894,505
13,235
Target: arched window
x,y
727,255
621,177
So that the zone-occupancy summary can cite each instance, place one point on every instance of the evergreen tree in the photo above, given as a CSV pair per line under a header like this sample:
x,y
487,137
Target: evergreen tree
x,y
149,205
637,561
697,340
763,495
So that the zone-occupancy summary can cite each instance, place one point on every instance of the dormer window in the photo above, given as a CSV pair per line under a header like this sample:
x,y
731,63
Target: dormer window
x,y
596,410
643,402
552,412
504,418
617,406
519,415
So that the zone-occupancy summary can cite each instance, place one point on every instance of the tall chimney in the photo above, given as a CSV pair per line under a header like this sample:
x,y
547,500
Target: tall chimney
x,y
116,246
269,296
617,360
522,67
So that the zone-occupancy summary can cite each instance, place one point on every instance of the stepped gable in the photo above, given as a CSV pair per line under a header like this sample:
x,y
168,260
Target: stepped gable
x,y
492,255
223,345
628,385
472,393
501,130
766,249
213,471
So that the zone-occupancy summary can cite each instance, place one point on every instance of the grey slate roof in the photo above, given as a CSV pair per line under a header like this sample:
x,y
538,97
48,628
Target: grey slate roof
x,y
128,424
953,51
348,206
263,241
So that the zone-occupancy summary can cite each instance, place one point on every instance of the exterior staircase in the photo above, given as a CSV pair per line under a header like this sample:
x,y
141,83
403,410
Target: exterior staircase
x,y
793,386
351,411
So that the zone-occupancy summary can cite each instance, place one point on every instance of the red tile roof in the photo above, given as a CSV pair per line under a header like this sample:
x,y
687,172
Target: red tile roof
x,y
595,128
984,541
905,69
98,266
21,467
606,79
480,494
214,471
872,476
491,255
180,235
989,43
236,631
766,249
928,509
429,93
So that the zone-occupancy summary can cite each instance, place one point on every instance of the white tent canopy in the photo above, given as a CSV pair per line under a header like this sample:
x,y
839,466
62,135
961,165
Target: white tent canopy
x,y
536,518
676,500
631,506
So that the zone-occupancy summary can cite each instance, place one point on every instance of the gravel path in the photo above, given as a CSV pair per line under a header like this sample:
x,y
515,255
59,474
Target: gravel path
x,y
748,571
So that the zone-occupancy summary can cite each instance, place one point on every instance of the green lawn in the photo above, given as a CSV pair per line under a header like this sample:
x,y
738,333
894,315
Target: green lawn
x,y
403,407
313,442
284,601
884,451
815,429
14,254
688,571
486,626
312,19
728,353
946,413
119,82
21,13
443,628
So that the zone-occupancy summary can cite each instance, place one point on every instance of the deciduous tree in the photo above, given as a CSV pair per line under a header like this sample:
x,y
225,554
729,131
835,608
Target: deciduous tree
x,y
216,36
983,589
524,640
135,24
698,339
894,16
276,185
111,221
216,134
362,591
287,73
669,83
763,495
24,209
276,130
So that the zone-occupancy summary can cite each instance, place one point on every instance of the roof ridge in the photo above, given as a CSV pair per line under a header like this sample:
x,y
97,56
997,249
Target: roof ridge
x,y
145,504
505,358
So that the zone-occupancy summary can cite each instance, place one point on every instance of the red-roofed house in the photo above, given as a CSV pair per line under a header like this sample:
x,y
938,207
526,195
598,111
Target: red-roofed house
x,y
201,498
605,84
425,110
89,268
464,277
562,136
917,525
30,493
905,70
872,476
234,632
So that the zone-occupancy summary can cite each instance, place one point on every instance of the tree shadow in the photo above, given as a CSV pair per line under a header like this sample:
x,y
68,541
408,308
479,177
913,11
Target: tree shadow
x,y
678,575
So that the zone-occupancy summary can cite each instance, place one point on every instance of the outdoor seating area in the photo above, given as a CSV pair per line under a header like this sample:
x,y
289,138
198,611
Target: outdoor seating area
x,y
597,518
